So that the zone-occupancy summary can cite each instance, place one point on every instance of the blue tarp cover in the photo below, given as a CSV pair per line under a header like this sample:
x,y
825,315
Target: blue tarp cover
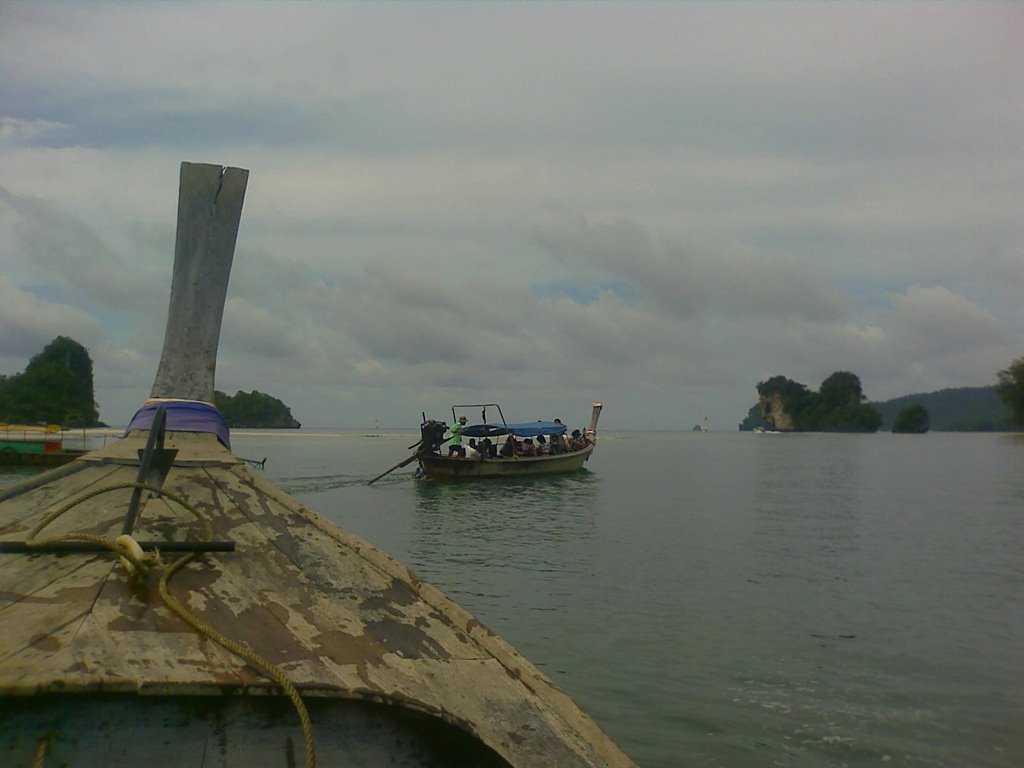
x,y
526,429
184,416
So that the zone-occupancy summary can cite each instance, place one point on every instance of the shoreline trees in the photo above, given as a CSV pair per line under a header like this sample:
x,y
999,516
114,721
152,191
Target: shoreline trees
x,y
1010,389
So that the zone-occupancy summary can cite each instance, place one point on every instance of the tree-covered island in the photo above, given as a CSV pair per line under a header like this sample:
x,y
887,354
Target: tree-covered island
x,y
254,410
55,388
912,420
838,406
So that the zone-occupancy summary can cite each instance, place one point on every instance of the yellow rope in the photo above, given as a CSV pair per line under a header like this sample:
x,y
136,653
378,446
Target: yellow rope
x,y
136,563
42,747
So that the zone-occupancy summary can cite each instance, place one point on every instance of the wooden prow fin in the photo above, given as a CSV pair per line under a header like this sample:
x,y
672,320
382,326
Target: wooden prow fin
x,y
595,414
210,201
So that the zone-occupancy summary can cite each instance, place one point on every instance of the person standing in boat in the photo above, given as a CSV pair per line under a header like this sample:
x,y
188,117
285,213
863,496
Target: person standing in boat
x,y
455,441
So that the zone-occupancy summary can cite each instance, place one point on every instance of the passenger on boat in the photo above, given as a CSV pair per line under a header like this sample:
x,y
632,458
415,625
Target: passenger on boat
x,y
487,449
576,442
555,444
527,448
543,449
455,441
508,448
471,451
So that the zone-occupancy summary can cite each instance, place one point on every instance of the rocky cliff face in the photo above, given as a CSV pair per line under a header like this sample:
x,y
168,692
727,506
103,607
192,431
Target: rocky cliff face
x,y
773,414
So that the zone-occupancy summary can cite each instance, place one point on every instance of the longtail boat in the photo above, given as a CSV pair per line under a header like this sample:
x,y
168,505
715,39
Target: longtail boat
x,y
161,604
34,446
438,462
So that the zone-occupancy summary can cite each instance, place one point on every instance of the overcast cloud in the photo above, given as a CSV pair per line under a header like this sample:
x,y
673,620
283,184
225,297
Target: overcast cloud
x,y
654,205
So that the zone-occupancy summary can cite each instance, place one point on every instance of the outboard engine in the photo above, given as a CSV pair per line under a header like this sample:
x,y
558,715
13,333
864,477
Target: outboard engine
x,y
431,436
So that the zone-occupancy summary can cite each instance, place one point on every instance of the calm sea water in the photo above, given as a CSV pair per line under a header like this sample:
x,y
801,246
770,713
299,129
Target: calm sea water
x,y
729,599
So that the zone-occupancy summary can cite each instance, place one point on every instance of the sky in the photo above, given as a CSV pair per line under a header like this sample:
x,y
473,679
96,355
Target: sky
x,y
536,204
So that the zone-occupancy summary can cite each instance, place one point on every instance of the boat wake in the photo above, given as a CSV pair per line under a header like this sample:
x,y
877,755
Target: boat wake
x,y
298,485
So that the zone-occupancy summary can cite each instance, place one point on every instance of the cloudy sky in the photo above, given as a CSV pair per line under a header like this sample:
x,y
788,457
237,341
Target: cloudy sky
x,y
654,205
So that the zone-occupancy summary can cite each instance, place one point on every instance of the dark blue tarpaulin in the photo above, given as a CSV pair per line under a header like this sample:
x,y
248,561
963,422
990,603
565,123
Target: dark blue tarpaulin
x,y
526,429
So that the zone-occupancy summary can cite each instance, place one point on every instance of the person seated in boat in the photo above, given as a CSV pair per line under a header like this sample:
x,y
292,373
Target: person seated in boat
x,y
508,448
487,449
560,443
527,447
472,452
555,444
543,449
576,442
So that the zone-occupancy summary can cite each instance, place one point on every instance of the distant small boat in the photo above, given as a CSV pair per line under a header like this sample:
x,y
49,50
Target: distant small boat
x,y
31,445
566,455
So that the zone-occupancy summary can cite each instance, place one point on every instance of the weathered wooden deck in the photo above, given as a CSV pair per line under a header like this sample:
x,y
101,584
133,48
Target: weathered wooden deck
x,y
339,617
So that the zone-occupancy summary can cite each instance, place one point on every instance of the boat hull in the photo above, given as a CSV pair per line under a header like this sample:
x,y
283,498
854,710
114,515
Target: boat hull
x,y
455,468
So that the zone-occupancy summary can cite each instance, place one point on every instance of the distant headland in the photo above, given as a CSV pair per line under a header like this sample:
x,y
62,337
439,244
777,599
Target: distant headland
x,y
787,405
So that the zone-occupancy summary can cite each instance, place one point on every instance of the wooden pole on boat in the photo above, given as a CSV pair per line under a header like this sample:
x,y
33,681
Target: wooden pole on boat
x,y
595,414
397,466
210,201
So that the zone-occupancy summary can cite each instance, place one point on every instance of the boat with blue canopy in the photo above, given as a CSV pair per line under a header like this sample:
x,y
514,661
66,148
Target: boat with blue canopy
x,y
494,447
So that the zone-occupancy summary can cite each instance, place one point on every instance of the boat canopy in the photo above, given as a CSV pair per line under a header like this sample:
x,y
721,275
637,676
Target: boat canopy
x,y
526,429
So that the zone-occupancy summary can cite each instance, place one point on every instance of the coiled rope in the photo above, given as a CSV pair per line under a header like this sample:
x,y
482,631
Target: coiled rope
x,y
138,564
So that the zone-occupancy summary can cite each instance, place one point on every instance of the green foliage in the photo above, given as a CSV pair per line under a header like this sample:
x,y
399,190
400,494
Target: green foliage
x,y
841,390
1011,389
254,410
838,407
913,420
795,396
56,388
